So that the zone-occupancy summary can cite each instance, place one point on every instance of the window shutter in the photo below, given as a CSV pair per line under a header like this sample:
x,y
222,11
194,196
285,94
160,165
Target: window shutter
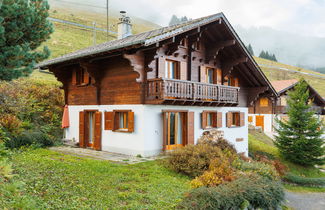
x,y
82,129
219,119
161,67
214,120
229,119
183,70
204,120
86,78
236,82
242,119
74,77
98,131
190,127
203,73
116,121
219,76
130,121
109,120
164,129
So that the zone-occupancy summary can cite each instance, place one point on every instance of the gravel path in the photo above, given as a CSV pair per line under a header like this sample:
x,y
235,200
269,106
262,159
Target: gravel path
x,y
306,201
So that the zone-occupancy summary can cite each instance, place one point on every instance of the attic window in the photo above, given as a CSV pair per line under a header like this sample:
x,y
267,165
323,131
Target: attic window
x,y
80,77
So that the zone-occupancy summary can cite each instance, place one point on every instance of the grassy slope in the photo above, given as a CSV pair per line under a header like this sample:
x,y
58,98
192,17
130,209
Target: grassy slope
x,y
275,74
258,141
65,182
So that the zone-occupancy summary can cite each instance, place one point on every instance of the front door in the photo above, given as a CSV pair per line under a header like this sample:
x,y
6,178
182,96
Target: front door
x,y
90,129
175,129
260,121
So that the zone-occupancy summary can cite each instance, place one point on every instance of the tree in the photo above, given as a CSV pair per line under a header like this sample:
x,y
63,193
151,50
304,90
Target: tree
x,y
250,49
299,138
23,28
174,20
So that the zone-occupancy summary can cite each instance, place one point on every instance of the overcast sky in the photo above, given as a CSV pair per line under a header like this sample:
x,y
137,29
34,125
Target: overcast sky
x,y
305,17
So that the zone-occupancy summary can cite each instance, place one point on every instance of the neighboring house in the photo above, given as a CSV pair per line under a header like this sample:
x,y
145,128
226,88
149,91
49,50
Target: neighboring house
x,y
158,90
263,112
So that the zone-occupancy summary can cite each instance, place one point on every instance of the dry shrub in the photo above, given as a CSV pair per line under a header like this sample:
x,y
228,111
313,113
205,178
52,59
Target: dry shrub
x,y
219,172
279,167
193,160
10,123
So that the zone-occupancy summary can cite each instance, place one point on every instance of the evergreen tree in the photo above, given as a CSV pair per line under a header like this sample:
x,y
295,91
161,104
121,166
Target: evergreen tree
x,y
23,27
299,138
274,58
184,19
174,20
250,49
262,54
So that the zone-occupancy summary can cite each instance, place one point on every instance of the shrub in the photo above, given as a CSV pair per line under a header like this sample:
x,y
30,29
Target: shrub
x,y
220,171
214,137
28,138
292,178
278,165
263,169
193,160
259,192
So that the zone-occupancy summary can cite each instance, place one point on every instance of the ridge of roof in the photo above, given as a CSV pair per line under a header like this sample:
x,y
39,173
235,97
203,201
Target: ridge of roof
x,y
145,38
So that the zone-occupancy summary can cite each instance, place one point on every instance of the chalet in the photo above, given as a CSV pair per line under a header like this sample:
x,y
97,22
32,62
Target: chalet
x,y
161,89
264,110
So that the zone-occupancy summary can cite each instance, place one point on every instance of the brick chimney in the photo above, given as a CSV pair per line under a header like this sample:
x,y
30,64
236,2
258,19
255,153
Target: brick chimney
x,y
124,27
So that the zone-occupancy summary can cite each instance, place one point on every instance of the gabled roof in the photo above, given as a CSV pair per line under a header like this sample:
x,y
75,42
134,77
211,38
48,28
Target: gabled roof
x,y
282,85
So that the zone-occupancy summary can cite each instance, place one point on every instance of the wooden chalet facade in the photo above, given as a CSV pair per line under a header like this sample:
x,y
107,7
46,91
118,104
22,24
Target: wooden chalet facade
x,y
161,89
264,110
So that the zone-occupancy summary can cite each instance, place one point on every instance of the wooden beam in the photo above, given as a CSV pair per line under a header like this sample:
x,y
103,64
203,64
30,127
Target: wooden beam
x,y
213,52
228,66
137,62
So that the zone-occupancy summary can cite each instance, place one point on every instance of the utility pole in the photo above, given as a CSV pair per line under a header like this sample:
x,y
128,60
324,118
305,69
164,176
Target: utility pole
x,y
107,19
94,32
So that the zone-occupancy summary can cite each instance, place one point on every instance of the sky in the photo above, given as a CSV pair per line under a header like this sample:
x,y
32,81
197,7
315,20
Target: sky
x,y
304,17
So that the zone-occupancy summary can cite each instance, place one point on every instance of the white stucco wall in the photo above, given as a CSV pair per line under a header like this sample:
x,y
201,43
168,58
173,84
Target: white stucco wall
x,y
146,139
268,121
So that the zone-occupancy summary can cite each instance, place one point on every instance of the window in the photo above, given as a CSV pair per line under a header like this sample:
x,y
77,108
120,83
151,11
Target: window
x,y
172,69
178,128
210,75
80,76
235,119
264,102
211,119
233,81
250,119
119,121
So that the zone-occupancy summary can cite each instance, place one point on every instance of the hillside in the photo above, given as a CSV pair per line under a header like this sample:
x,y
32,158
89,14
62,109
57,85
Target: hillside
x,y
278,71
68,38
290,48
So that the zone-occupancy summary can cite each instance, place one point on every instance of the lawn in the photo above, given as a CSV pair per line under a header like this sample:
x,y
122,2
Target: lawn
x,y
59,181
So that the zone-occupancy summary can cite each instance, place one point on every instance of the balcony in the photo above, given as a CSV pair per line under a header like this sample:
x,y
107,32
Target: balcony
x,y
284,109
170,91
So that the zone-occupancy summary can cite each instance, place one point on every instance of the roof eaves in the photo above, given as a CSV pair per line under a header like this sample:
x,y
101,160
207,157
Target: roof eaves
x,y
248,54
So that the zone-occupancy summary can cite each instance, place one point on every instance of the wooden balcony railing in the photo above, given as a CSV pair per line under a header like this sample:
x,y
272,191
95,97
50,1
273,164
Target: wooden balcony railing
x,y
170,89
284,109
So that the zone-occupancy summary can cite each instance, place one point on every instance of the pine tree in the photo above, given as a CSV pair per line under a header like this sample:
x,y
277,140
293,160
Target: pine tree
x,y
262,54
299,138
174,20
250,49
23,28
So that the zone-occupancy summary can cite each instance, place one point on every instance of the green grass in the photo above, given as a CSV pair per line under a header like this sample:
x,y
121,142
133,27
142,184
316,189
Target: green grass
x,y
61,181
304,189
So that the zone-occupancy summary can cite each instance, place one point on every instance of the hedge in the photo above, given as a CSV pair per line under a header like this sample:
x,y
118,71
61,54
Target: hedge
x,y
292,178
252,190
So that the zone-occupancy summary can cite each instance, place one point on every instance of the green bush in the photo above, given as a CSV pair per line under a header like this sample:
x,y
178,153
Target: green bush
x,y
260,168
222,143
192,160
305,181
257,191
29,138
